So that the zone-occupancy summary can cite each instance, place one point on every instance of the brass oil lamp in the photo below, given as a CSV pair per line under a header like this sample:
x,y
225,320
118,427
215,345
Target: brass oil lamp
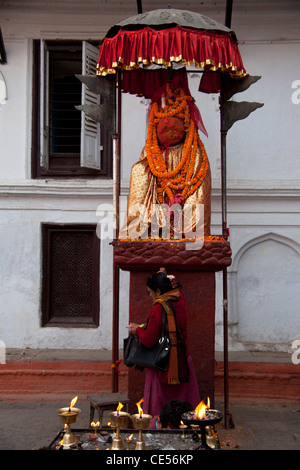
x,y
95,426
68,416
140,421
183,428
203,417
118,420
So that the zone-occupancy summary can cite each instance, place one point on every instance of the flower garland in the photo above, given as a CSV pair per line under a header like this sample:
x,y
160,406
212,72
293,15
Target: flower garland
x,y
181,178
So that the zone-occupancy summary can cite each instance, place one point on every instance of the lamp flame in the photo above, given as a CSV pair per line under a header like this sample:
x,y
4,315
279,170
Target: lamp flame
x,y
140,409
95,425
201,409
72,403
119,407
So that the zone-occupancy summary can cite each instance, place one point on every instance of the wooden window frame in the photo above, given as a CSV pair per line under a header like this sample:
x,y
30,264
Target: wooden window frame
x,y
37,171
47,320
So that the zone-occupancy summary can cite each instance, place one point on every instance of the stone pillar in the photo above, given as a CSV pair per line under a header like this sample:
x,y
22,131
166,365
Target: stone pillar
x,y
195,270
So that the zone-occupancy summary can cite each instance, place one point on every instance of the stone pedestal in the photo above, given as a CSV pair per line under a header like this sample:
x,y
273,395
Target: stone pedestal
x,y
195,270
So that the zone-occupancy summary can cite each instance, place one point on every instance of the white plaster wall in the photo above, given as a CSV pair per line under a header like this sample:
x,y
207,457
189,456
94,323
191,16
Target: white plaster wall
x,y
266,145
267,286
13,115
20,273
263,185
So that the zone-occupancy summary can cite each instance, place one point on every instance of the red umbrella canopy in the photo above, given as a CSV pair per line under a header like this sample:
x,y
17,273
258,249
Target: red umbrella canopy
x,y
167,36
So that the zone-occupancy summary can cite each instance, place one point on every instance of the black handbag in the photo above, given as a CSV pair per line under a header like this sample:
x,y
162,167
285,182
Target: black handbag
x,y
130,346
156,357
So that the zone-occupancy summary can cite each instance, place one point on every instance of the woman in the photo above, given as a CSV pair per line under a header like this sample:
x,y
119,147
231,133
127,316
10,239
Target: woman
x,y
179,381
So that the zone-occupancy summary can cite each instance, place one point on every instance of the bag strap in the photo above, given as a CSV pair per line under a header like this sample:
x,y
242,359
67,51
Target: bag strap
x,y
165,330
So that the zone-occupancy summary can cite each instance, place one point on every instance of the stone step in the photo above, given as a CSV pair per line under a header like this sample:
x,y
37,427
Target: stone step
x,y
20,378
66,373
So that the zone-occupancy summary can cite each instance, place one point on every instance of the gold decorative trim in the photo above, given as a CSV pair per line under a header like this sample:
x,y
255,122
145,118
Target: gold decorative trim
x,y
208,65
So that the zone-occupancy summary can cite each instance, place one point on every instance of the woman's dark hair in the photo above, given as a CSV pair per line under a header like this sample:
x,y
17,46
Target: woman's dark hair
x,y
159,281
172,411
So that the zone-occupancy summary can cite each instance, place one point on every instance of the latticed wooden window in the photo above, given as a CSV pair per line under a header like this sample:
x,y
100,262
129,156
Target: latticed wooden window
x,y
71,261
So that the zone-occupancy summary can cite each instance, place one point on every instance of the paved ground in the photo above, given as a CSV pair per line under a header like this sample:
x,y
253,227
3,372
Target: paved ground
x,y
32,425
26,425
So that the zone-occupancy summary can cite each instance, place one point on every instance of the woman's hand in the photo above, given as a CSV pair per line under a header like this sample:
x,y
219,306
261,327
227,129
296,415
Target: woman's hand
x,y
132,328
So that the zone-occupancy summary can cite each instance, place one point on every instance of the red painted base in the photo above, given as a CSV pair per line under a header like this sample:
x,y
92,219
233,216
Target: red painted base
x,y
199,291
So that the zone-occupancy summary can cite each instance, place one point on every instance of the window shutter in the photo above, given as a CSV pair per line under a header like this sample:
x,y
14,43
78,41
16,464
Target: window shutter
x,y
90,129
44,105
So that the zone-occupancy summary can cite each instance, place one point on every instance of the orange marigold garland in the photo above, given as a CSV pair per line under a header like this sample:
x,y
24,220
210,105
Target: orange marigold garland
x,y
181,178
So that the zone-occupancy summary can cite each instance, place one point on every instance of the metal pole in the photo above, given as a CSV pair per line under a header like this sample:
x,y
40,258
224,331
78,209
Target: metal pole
x,y
228,13
223,159
116,271
225,345
139,6
227,417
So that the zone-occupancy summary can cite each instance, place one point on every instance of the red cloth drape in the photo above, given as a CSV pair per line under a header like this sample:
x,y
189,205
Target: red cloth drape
x,y
210,83
151,85
127,50
147,83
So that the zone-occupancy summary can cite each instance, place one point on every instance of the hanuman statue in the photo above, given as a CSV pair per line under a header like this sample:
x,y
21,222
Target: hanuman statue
x,y
173,171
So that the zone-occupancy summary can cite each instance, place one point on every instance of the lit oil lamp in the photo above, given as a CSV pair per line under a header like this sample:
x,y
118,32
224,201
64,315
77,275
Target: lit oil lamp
x,y
140,421
128,441
200,410
118,420
68,416
94,436
202,416
183,428
95,426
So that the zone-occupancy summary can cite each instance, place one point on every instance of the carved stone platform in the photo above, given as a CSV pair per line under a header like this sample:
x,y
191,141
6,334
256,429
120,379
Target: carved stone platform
x,y
214,255
195,271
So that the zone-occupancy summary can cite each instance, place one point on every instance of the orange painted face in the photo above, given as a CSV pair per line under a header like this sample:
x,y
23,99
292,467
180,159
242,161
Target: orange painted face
x,y
170,131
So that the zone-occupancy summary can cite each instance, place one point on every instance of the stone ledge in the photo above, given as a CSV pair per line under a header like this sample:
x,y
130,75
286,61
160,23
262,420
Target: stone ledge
x,y
255,356
104,355
89,355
